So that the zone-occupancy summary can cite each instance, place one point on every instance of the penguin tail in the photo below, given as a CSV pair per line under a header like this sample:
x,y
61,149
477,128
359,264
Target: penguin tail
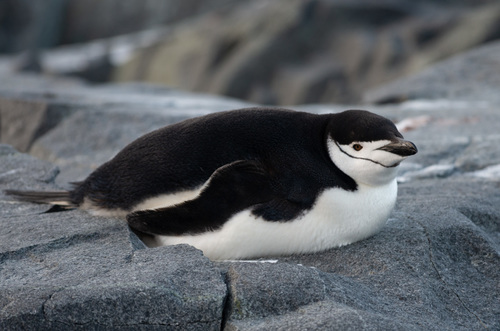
x,y
59,198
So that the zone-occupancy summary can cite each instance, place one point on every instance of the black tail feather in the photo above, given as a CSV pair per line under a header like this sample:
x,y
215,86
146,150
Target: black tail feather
x,y
61,198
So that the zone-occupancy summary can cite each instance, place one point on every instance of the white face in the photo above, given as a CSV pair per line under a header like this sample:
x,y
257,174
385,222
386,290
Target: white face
x,y
365,162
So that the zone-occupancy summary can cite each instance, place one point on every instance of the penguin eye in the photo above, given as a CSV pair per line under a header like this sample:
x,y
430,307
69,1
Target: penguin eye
x,y
357,147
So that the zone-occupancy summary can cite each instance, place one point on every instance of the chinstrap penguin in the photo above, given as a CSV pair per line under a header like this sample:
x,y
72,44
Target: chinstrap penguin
x,y
251,182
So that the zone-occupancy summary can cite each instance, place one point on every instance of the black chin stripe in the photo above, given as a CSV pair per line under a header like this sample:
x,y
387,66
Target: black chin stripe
x,y
362,158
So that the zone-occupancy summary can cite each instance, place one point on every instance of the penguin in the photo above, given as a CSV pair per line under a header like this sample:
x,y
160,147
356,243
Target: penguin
x,y
250,183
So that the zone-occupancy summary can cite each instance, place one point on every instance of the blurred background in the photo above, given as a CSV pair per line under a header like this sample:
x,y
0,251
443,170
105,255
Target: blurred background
x,y
279,52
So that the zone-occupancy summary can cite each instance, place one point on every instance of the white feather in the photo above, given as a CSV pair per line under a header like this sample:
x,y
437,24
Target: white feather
x,y
157,202
166,200
338,218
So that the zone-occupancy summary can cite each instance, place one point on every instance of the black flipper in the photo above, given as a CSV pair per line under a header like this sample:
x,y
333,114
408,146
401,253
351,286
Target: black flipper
x,y
282,210
231,188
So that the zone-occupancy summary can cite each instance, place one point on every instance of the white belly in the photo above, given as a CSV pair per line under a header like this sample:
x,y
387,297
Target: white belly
x,y
338,218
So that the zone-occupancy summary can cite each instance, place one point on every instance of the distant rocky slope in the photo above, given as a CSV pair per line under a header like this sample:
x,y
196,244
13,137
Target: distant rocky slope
x,y
294,52
264,51
25,24
433,267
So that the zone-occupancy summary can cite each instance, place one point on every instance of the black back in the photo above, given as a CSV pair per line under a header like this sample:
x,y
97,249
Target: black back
x,y
291,145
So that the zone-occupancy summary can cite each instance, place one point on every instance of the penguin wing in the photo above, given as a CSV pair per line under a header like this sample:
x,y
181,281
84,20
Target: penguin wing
x,y
283,209
230,189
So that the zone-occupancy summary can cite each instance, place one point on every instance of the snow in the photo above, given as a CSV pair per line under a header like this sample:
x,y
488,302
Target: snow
x,y
491,172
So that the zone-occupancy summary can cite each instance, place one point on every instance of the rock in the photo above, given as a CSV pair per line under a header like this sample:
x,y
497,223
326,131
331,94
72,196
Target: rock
x,y
469,76
260,289
433,266
443,261
76,21
19,29
175,288
20,171
134,16
286,52
23,121
481,153
29,107
263,52
72,270
103,120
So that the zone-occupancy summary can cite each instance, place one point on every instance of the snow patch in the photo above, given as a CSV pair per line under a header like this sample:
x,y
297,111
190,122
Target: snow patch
x,y
439,104
252,261
413,123
433,171
491,172
120,49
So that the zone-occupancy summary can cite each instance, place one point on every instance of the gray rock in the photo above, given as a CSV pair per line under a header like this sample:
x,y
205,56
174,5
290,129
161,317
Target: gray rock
x,y
482,152
270,59
473,75
434,265
68,22
24,121
296,52
44,116
324,315
435,258
261,289
70,270
20,171
174,288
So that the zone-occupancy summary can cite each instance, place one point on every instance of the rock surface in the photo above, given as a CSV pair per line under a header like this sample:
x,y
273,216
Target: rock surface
x,y
294,52
474,75
269,52
70,270
73,21
433,267
101,119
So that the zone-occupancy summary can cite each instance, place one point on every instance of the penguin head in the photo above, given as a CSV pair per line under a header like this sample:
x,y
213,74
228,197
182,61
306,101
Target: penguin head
x,y
367,147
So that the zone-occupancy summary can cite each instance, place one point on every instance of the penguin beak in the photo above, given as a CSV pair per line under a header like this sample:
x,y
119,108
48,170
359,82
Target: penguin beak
x,y
400,147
